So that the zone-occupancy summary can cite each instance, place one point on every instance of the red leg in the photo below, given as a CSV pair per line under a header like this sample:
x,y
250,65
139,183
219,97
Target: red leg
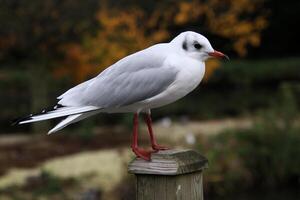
x,y
146,155
154,144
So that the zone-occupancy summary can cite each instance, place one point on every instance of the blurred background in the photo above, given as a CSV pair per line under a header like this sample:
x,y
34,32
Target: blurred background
x,y
244,117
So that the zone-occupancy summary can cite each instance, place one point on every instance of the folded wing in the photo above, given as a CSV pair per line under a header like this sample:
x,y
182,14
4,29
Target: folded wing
x,y
135,78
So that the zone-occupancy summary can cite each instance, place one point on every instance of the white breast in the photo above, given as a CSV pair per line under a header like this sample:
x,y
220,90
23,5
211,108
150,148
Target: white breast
x,y
188,78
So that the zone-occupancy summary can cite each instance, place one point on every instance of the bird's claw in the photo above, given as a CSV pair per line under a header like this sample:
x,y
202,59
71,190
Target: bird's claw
x,y
157,148
141,153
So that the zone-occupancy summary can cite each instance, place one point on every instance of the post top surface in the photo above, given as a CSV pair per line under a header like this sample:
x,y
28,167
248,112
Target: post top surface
x,y
169,162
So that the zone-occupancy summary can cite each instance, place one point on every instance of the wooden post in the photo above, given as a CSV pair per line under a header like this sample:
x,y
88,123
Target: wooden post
x,y
171,175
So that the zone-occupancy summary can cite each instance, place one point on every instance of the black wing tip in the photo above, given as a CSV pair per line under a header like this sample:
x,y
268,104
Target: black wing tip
x,y
19,120
28,117
49,109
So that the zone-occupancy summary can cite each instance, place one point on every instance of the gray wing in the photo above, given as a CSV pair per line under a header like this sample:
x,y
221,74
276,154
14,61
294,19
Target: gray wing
x,y
135,78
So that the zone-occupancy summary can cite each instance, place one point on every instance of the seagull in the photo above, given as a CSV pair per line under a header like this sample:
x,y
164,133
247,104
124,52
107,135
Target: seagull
x,y
148,79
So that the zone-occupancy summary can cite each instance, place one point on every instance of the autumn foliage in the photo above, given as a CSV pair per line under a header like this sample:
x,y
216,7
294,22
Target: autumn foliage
x,y
125,30
80,39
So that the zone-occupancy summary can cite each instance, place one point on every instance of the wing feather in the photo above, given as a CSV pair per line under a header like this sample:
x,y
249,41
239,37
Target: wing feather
x,y
135,78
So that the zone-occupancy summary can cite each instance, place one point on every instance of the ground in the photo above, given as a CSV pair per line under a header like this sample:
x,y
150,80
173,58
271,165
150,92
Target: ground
x,y
99,161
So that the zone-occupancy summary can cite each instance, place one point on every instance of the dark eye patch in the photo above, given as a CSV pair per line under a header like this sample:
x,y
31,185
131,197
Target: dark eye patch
x,y
197,45
184,45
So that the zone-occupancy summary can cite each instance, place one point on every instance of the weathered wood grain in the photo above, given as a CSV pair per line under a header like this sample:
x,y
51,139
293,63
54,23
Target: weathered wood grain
x,y
170,175
170,162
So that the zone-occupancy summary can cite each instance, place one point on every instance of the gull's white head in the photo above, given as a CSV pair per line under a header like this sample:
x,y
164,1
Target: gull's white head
x,y
196,46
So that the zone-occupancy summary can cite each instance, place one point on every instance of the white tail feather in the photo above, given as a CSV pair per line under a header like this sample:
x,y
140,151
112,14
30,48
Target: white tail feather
x,y
64,123
71,119
61,112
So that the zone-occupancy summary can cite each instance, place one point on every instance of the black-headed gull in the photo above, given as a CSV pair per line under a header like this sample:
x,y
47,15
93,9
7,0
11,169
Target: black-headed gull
x,y
151,78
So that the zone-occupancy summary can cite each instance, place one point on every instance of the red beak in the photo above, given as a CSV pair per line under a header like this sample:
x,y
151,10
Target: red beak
x,y
218,54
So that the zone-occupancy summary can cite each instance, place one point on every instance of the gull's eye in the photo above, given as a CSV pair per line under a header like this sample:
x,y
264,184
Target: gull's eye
x,y
197,46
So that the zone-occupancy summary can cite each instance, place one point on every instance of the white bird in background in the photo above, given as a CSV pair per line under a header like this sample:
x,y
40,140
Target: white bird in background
x,y
151,78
